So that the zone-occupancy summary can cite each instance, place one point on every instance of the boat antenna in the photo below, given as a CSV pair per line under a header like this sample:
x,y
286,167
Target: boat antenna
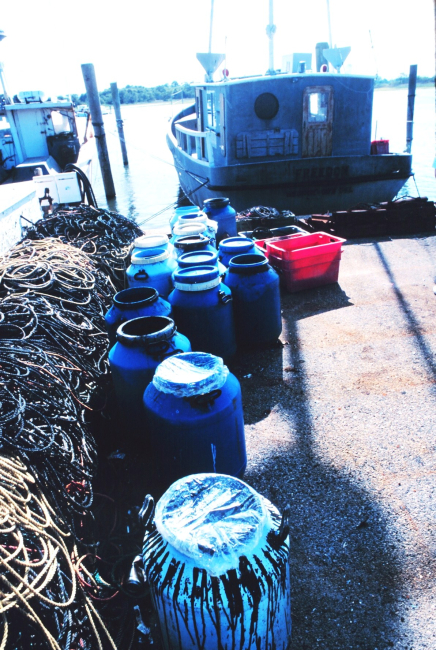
x,y
329,24
2,79
211,25
270,31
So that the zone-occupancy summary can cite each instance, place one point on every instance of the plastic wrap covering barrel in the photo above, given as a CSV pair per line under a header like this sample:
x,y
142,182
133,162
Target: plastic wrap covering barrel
x,y
134,303
152,268
221,211
192,243
233,246
245,605
194,418
142,344
255,289
203,310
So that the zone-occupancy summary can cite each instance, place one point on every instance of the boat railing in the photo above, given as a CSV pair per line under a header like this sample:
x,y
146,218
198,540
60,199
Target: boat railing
x,y
194,143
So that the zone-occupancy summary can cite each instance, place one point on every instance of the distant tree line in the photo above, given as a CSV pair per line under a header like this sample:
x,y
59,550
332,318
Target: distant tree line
x,y
402,80
140,94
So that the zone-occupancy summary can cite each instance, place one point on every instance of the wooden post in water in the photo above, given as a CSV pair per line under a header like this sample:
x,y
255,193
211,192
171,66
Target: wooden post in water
x,y
411,107
117,107
93,98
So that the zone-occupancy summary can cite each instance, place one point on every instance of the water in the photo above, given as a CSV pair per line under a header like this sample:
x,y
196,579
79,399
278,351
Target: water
x,y
150,183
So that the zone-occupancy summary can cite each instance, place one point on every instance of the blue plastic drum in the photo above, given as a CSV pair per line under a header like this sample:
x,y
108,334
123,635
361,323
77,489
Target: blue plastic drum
x,y
221,211
233,246
201,258
142,344
192,243
194,418
152,268
202,309
256,296
134,303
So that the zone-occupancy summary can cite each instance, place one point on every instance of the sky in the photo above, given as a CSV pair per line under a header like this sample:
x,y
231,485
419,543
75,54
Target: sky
x,y
152,42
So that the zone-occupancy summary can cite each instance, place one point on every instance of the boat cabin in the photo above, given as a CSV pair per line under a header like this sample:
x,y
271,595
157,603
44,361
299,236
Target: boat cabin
x,y
40,134
288,116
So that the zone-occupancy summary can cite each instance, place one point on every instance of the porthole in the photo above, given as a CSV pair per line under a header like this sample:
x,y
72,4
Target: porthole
x,y
266,106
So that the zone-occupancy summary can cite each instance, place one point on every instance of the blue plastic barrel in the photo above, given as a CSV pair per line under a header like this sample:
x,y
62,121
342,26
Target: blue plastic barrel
x,y
134,303
233,246
192,243
184,210
142,344
216,559
256,296
152,268
201,258
197,218
203,310
194,418
221,211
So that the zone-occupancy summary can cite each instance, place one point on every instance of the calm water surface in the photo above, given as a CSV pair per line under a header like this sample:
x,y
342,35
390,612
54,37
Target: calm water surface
x,y
150,183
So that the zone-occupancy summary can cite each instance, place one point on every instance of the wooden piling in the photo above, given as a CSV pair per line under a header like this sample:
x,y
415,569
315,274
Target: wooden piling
x,y
93,98
117,108
411,106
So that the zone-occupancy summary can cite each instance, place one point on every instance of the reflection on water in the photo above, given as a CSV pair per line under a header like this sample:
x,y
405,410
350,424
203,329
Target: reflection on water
x,y
150,183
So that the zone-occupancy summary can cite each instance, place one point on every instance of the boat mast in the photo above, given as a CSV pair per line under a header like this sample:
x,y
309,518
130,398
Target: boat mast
x,y
270,31
329,24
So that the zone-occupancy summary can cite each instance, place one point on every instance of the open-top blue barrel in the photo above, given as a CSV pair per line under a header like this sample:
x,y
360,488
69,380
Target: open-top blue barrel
x,y
134,303
201,258
216,558
233,246
194,418
256,296
192,243
142,344
202,308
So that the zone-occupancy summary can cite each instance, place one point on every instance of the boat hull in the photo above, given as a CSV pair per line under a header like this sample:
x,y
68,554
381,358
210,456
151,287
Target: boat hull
x,y
304,186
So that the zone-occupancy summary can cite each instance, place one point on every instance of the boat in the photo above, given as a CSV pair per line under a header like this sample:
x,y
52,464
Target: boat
x,y
46,154
295,140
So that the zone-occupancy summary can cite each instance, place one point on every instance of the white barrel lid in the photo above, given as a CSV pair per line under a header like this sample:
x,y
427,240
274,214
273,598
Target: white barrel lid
x,y
189,229
213,519
144,257
151,241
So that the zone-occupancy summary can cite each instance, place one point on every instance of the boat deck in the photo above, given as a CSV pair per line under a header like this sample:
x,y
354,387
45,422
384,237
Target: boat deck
x,y
340,424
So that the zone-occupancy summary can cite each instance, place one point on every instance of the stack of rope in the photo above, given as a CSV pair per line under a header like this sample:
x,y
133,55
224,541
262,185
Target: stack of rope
x,y
55,288
41,597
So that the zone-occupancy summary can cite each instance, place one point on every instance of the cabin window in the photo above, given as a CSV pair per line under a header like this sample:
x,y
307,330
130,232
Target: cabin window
x,y
266,106
211,116
318,106
61,123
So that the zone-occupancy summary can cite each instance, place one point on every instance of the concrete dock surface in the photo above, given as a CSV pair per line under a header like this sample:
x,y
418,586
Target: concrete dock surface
x,y
340,424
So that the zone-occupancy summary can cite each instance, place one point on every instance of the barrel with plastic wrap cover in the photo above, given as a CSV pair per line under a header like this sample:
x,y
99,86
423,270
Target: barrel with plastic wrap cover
x,y
194,418
216,557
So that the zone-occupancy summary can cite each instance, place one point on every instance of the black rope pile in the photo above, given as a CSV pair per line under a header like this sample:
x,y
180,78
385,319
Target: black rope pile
x,y
104,236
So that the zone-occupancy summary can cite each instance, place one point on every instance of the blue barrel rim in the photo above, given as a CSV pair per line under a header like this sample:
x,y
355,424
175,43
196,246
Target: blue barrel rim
x,y
200,274
188,259
216,202
145,331
189,241
149,256
235,244
248,264
135,297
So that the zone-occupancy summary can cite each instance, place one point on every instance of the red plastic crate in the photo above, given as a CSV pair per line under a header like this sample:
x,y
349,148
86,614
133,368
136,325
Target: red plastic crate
x,y
379,147
262,243
307,262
